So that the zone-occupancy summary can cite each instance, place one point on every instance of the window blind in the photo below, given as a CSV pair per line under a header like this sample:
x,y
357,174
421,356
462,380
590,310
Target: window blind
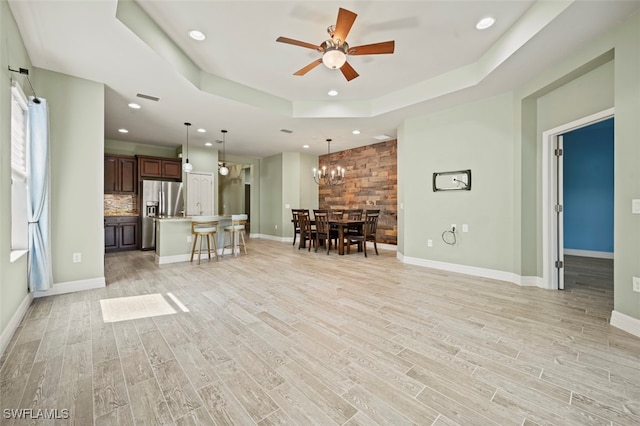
x,y
18,132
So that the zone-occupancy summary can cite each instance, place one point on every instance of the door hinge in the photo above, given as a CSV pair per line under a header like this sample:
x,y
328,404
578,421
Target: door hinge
x,y
557,152
558,208
559,264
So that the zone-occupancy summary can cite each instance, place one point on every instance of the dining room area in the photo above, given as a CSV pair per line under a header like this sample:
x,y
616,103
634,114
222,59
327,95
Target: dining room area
x,y
345,201
336,229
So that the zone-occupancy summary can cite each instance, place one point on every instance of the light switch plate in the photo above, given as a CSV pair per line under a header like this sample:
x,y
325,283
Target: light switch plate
x,y
635,206
636,284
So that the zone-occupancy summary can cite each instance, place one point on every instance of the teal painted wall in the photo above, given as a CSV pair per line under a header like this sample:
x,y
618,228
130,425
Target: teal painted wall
x,y
588,187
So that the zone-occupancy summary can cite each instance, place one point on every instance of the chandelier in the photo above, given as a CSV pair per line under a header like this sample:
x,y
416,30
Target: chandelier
x,y
322,176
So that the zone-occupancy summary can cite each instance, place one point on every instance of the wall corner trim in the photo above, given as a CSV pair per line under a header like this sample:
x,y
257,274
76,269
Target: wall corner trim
x,y
14,322
72,286
625,323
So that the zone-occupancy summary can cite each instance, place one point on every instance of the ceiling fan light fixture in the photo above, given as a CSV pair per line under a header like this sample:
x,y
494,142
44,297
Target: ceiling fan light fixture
x,y
334,58
335,55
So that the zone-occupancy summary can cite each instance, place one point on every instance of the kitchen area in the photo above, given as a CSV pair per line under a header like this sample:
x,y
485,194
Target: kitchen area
x,y
137,190
147,205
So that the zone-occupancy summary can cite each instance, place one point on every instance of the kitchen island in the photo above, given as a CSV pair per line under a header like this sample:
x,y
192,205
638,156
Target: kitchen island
x,y
174,239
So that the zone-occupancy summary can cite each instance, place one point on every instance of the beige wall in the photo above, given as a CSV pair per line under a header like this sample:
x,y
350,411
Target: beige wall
x,y
76,124
500,140
13,276
477,136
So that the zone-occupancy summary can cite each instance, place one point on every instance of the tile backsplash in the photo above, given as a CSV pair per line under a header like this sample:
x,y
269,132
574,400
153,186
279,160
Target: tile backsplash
x,y
115,204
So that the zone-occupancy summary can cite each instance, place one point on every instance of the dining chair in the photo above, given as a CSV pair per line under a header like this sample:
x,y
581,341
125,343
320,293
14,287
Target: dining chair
x,y
322,228
335,214
353,214
296,222
207,227
235,232
307,232
368,233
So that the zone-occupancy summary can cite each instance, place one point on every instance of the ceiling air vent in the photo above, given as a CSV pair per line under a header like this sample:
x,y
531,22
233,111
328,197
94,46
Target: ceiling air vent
x,y
286,131
382,137
151,98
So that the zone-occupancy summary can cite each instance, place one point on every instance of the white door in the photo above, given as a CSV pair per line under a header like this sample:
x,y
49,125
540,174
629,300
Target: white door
x,y
200,194
559,263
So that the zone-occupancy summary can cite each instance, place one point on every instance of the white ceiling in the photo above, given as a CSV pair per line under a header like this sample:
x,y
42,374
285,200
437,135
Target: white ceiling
x,y
240,78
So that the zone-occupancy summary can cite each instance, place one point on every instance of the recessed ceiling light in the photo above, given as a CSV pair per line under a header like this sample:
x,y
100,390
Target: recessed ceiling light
x,y
332,93
197,35
305,146
201,130
123,130
356,132
208,144
485,23
134,105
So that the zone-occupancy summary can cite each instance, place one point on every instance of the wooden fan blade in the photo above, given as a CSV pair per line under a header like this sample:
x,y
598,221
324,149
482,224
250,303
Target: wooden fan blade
x,y
373,49
298,43
312,65
348,71
343,24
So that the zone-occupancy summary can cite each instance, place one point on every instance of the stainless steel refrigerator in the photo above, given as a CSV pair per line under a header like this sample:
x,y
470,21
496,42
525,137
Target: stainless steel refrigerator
x,y
159,199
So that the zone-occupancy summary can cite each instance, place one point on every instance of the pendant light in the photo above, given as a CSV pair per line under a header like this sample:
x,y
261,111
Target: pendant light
x,y
187,167
222,167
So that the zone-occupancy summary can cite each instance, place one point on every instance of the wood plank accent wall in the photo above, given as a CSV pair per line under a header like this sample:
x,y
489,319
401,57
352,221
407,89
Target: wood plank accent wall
x,y
371,182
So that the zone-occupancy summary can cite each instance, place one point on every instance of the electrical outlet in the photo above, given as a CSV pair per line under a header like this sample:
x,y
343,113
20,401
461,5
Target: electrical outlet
x,y
465,227
77,257
276,226
189,238
636,284
429,243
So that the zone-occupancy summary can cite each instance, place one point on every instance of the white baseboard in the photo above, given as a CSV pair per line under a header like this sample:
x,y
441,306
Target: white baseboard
x,y
626,323
14,322
273,238
163,260
589,253
72,286
475,271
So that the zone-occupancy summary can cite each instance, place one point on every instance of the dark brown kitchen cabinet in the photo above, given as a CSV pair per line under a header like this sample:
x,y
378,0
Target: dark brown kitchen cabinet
x,y
120,174
157,167
120,233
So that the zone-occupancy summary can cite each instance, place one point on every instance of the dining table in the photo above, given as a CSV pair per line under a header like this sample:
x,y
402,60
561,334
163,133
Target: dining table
x,y
342,225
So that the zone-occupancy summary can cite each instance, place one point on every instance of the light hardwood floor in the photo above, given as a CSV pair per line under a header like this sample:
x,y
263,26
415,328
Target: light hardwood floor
x,y
286,336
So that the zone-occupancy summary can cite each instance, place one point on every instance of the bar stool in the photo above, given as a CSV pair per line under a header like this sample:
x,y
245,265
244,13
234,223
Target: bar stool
x,y
204,226
235,231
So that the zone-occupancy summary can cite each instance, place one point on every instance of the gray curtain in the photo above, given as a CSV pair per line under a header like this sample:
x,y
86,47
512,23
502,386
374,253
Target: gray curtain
x,y
40,273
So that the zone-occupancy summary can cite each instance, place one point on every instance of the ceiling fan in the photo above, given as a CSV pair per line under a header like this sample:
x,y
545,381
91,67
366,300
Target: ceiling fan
x,y
335,49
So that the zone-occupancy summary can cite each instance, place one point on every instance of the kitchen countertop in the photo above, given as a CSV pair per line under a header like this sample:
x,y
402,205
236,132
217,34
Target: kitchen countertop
x,y
188,218
109,214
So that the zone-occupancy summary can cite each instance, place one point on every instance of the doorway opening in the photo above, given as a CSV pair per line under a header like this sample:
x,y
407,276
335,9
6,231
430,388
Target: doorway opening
x,y
554,262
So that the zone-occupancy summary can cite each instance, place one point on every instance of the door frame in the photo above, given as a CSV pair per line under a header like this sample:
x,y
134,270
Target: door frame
x,y
550,171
